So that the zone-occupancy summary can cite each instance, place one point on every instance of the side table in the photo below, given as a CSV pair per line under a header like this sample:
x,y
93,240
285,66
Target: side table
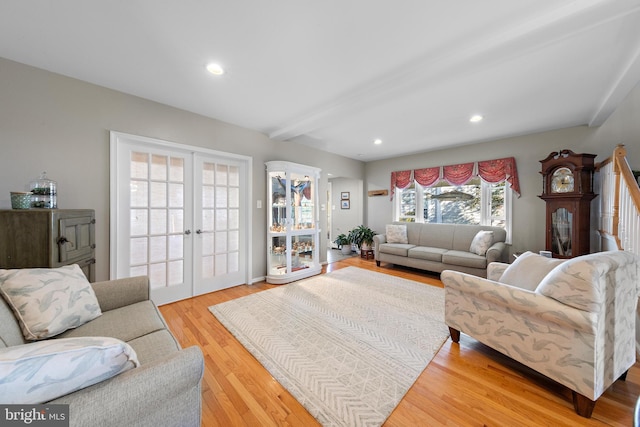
x,y
366,253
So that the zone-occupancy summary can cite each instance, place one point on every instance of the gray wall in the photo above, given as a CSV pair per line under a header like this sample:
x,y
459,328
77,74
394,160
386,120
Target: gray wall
x,y
61,125
528,210
343,220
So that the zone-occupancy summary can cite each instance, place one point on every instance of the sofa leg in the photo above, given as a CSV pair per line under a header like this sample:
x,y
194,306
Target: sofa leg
x,y
377,263
623,377
583,405
455,334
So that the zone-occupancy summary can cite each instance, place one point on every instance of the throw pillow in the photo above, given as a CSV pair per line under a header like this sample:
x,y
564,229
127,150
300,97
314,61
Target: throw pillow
x,y
396,233
528,270
481,242
48,301
41,371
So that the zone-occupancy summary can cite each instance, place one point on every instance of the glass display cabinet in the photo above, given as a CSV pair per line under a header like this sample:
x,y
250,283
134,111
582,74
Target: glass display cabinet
x,y
292,222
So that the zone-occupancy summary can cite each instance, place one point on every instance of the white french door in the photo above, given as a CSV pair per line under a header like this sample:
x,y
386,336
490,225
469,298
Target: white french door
x,y
218,235
177,215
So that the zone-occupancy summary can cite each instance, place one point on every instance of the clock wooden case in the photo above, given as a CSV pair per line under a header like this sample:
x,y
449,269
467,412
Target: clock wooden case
x,y
567,189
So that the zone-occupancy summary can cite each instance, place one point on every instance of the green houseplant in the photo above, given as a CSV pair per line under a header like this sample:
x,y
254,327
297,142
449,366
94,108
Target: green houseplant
x,y
362,236
344,243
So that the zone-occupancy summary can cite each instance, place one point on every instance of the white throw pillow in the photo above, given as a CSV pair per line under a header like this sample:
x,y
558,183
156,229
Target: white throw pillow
x,y
481,242
48,301
42,371
528,270
396,233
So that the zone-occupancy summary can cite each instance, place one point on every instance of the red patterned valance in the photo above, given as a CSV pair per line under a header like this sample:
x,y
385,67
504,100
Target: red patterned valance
x,y
500,170
492,171
427,176
400,179
458,174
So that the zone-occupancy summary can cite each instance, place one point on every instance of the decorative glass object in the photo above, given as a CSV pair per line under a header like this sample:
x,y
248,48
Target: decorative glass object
x,y
44,193
20,200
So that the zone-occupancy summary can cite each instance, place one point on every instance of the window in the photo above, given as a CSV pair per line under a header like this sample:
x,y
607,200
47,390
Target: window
x,y
476,202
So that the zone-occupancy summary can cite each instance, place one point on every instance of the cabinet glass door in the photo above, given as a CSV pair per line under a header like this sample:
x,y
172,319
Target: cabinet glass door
x,y
561,232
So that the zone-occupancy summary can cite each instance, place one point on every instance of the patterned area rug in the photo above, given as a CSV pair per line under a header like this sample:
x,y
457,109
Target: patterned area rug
x,y
347,345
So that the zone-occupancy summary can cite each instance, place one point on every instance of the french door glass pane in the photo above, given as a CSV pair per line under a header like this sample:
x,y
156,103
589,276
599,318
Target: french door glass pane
x,y
158,221
157,218
220,221
139,222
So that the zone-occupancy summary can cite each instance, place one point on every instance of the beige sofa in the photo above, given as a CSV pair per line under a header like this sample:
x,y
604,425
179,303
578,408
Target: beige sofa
x,y
164,390
439,247
573,322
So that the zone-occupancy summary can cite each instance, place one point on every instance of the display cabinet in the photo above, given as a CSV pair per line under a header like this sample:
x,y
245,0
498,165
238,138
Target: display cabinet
x,y
292,222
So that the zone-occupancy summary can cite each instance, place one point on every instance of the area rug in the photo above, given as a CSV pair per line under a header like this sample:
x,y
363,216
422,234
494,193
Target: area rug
x,y
347,345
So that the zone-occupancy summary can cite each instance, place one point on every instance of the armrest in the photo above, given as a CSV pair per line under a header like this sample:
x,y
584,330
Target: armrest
x,y
118,293
495,252
495,270
515,302
378,239
138,392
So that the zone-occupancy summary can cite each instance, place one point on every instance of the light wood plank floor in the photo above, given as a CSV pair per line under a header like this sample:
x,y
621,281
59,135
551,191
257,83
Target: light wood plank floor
x,y
465,385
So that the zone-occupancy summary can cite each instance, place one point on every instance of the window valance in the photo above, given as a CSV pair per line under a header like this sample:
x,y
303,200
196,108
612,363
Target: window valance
x,y
492,171
400,179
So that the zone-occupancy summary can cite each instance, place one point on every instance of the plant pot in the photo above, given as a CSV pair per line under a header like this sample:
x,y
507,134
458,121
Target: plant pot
x,y
346,249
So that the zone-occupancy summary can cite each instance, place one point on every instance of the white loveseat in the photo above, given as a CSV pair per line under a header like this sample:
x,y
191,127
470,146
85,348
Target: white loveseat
x,y
576,326
439,247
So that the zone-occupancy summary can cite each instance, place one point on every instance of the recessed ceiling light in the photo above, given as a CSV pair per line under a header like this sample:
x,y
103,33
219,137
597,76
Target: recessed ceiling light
x,y
215,69
377,141
476,118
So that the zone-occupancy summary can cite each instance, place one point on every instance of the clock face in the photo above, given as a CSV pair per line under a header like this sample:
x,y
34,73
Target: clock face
x,y
562,181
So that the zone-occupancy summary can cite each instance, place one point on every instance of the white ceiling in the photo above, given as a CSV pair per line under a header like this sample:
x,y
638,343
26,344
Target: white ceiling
x,y
337,74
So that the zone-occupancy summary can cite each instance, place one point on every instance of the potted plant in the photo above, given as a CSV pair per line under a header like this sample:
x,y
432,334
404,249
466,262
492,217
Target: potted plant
x,y
362,236
344,243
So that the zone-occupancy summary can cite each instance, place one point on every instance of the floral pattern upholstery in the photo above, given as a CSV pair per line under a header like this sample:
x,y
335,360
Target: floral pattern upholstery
x,y
577,327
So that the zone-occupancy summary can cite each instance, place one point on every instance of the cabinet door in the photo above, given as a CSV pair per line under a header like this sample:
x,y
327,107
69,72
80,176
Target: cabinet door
x,y
562,232
75,238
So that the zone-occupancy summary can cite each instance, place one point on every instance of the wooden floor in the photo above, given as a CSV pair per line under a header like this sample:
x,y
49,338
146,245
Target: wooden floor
x,y
464,385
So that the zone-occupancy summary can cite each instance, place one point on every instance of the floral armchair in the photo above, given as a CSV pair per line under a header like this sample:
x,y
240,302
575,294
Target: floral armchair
x,y
577,326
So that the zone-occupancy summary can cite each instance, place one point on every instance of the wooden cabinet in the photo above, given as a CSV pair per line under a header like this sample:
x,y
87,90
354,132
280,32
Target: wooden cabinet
x,y
568,191
48,238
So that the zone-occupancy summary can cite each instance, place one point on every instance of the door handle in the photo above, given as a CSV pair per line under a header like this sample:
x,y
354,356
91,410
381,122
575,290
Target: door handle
x,y
187,232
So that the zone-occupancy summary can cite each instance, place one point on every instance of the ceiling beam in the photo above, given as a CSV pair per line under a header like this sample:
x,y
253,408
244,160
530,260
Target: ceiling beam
x,y
621,87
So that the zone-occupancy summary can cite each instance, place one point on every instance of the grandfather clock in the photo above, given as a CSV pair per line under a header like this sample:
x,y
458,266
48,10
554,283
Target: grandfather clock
x,y
568,191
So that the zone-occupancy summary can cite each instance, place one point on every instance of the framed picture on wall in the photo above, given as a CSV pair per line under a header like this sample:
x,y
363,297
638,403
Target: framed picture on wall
x,y
344,195
345,204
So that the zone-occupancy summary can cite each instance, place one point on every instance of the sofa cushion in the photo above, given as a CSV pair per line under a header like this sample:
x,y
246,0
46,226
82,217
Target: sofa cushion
x,y
49,301
124,323
153,346
396,233
581,282
464,259
481,242
528,270
399,249
428,253
41,371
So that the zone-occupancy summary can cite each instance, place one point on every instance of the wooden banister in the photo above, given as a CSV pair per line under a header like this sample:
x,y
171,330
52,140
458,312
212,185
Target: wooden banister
x,y
620,208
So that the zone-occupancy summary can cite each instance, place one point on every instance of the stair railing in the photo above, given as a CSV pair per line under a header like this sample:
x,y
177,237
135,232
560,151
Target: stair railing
x,y
619,202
